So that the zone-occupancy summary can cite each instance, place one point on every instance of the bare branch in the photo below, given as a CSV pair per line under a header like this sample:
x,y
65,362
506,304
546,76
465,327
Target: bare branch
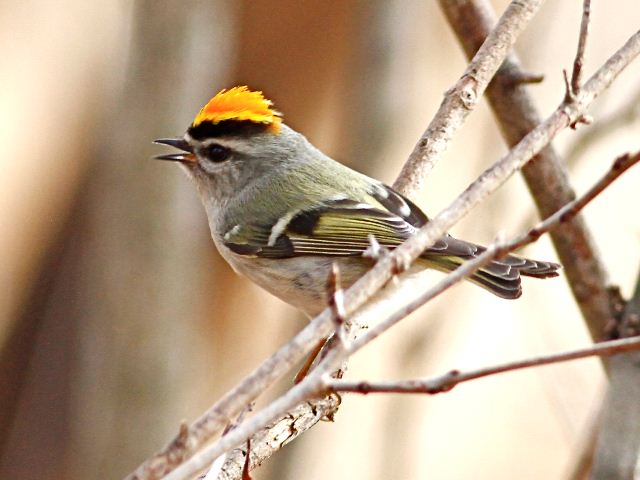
x,y
460,100
570,210
232,403
488,182
626,115
578,63
572,87
279,433
445,382
336,303
546,178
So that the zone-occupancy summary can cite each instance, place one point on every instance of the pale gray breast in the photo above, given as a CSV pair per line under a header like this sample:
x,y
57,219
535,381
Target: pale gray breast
x,y
299,281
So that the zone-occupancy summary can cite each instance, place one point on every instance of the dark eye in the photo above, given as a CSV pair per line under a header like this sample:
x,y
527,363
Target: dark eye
x,y
216,153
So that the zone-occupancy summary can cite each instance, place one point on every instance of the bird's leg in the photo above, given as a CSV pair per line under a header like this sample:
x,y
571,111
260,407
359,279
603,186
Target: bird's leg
x,y
308,363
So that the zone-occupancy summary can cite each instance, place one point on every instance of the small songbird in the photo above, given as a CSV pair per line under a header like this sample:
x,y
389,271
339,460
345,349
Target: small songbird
x,y
281,212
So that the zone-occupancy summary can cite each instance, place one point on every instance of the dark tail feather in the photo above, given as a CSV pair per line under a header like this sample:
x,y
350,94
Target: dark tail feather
x,y
500,277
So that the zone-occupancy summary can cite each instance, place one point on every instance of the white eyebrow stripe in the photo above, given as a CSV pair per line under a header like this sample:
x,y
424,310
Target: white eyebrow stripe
x,y
231,143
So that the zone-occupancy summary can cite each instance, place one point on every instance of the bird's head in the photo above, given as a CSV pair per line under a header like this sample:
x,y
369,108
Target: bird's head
x,y
236,137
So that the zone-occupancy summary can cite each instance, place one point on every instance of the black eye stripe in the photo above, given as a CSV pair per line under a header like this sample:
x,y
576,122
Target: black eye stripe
x,y
216,152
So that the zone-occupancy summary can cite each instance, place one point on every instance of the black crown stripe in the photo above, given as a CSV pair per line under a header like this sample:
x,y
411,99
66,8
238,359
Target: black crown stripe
x,y
208,129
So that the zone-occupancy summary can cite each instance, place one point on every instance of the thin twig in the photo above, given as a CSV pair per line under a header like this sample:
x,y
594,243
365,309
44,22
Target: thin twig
x,y
626,115
572,88
460,100
445,382
578,63
570,210
336,303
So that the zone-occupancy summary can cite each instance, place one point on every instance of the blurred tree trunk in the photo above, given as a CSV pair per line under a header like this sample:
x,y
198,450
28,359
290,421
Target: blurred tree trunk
x,y
617,451
119,318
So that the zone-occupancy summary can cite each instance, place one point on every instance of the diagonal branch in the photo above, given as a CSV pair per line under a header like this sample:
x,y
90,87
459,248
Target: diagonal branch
x,y
278,434
460,100
546,177
488,182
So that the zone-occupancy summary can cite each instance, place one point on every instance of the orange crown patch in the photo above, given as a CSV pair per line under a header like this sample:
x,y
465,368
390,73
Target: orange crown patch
x,y
239,104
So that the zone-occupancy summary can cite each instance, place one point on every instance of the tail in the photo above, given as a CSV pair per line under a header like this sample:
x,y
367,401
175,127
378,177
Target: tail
x,y
500,277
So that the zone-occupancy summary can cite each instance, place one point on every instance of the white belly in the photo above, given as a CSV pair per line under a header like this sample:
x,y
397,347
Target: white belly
x,y
299,281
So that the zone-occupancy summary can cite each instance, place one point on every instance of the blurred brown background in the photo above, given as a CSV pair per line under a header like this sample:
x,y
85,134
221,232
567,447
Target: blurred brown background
x,y
117,317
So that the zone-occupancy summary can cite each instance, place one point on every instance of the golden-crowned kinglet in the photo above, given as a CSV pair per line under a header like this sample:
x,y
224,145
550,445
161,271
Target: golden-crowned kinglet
x,y
281,212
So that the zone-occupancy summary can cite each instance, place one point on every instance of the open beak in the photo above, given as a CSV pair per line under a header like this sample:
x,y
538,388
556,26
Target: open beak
x,y
180,143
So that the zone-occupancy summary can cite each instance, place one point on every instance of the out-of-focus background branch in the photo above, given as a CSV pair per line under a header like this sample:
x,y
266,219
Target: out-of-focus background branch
x,y
618,443
546,176
117,317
